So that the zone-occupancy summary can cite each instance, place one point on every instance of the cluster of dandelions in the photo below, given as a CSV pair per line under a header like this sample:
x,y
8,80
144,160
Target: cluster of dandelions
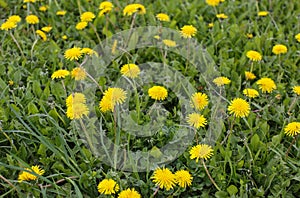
x,y
110,187
30,174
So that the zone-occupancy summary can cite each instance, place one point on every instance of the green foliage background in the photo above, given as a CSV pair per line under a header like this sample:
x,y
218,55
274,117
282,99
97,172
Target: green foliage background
x,y
35,130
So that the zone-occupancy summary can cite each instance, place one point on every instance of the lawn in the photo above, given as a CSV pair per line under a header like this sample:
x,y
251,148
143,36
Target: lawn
x,y
130,99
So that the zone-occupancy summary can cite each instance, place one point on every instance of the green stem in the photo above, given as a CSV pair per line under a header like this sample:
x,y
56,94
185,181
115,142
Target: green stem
x,y
88,138
211,179
95,30
293,142
292,105
18,45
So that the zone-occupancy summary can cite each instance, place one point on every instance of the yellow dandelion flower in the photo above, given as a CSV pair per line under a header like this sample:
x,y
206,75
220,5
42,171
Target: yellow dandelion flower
x,y
65,37
28,176
108,187
78,73
183,178
41,34
133,8
47,29
88,51
104,11
106,105
292,129
210,25
169,43
75,98
249,35
163,17
254,55
115,95
249,75
29,1
158,93
239,107
157,37
73,53
43,8
62,73
266,85
251,93
130,70
221,81
164,178
297,37
32,19
213,2
81,25
222,16
106,5
263,13
279,49
196,120
296,90
61,12
87,17
188,31
11,83
8,25
14,19
199,100
201,151
129,193
77,111
112,96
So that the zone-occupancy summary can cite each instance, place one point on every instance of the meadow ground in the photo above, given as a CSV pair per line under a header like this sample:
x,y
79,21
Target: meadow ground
x,y
176,98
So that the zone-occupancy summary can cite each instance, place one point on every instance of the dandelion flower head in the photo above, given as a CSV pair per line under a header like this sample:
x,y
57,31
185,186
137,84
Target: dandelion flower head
x,y
219,81
296,90
164,178
263,13
73,53
163,17
199,100
213,2
129,193
196,120
222,16
279,49
292,129
239,107
8,25
41,34
133,8
201,151
254,55
188,31
183,178
78,73
108,187
249,75
130,70
169,43
87,17
251,93
14,18
297,37
158,93
32,19
266,85
28,176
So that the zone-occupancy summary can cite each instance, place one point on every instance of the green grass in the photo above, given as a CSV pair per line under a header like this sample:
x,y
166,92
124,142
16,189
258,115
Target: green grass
x,y
35,130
